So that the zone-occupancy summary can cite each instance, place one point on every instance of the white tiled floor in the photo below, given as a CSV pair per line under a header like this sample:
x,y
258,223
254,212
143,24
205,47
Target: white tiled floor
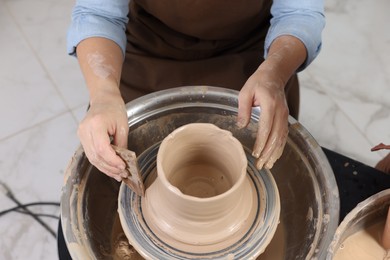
x,y
345,103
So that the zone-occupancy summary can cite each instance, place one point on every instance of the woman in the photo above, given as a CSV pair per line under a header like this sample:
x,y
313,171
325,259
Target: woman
x,y
126,50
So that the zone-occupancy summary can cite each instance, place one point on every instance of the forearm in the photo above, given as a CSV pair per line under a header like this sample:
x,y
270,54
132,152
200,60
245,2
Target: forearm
x,y
285,55
100,61
304,20
106,120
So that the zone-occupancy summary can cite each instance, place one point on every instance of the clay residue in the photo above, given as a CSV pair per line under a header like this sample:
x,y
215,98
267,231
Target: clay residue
x,y
96,61
78,251
309,216
122,250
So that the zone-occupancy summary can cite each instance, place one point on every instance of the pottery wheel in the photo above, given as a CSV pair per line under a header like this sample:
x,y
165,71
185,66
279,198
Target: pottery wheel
x,y
307,187
151,246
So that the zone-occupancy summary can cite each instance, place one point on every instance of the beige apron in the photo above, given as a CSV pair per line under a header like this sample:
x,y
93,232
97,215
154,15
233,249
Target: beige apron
x,y
176,43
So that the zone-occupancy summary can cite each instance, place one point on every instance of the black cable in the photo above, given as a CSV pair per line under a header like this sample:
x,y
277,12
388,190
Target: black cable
x,y
40,214
21,210
9,194
17,208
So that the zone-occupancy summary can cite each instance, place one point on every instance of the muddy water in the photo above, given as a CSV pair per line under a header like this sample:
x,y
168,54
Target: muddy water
x,y
365,244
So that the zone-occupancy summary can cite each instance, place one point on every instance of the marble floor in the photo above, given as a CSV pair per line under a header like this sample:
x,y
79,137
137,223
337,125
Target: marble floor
x,y
345,104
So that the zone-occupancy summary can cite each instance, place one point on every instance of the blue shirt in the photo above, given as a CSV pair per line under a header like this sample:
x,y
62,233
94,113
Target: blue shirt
x,y
303,19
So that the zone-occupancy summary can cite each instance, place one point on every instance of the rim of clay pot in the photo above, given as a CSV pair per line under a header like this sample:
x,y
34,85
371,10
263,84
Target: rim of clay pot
x,y
365,213
177,191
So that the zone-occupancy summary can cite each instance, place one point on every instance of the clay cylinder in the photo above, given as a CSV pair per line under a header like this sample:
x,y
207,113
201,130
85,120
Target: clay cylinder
x,y
201,196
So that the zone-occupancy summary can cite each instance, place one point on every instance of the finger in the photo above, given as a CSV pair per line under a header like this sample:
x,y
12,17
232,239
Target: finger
x,y
384,164
264,129
104,168
277,153
263,158
99,164
245,101
273,148
105,154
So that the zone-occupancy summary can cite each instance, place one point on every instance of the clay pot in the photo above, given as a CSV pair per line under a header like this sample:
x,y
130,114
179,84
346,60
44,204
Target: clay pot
x,y
201,199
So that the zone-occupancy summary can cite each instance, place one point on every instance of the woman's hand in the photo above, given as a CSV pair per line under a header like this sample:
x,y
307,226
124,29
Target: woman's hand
x,y
265,89
106,119
100,61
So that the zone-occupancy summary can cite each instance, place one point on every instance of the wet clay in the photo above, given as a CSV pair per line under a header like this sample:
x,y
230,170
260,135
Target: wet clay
x,y
202,199
201,180
201,160
363,245
121,248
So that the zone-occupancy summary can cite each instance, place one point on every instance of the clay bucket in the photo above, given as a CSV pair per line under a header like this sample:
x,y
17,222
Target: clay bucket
x,y
201,199
368,212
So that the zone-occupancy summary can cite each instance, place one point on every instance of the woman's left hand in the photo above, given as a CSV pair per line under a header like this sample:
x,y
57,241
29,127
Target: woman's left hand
x,y
266,90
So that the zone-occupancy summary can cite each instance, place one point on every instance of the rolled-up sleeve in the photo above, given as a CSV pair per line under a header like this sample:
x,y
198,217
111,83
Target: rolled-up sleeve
x,y
98,18
303,19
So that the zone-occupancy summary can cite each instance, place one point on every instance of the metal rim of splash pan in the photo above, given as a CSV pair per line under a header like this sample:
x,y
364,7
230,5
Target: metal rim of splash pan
x,y
307,186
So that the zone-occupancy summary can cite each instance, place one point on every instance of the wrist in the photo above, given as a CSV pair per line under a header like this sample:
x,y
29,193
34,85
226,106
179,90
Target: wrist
x,y
286,55
105,92
271,72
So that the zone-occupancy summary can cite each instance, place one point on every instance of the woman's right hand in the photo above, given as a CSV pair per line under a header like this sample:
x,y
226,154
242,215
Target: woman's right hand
x,y
105,120
100,61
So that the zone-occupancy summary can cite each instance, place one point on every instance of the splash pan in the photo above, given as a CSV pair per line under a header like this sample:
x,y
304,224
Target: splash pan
x,y
307,187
